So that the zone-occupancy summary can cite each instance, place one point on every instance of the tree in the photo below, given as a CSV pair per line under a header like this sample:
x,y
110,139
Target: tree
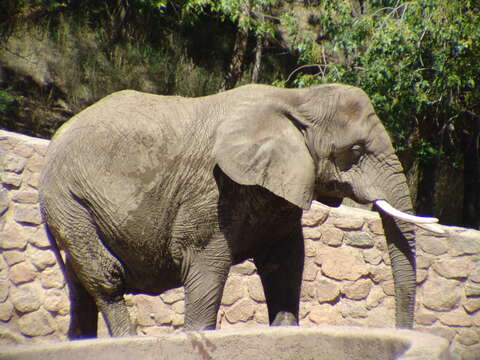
x,y
250,19
419,61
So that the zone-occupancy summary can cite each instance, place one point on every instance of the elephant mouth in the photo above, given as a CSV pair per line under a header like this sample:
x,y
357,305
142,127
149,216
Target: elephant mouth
x,y
330,201
333,192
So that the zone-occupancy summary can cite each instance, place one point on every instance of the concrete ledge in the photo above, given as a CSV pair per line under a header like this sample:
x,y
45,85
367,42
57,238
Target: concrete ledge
x,y
319,343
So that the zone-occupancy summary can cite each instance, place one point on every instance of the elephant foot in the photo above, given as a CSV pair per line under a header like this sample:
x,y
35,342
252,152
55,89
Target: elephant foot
x,y
284,318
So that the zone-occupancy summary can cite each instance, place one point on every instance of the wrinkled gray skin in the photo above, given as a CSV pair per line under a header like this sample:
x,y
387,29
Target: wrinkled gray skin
x,y
147,193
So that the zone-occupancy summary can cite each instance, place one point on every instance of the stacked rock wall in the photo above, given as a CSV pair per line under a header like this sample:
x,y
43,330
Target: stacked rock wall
x,y
347,277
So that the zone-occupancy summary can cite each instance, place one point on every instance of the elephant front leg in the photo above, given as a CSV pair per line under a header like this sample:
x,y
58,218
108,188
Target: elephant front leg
x,y
280,269
204,283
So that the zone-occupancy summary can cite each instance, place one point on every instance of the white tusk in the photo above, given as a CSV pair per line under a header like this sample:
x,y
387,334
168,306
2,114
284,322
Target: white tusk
x,y
389,209
432,227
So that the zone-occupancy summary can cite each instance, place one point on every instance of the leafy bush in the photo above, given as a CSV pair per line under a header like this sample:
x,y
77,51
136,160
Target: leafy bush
x,y
6,101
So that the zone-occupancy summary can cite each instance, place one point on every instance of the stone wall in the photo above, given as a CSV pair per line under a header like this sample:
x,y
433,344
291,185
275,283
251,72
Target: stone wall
x,y
347,279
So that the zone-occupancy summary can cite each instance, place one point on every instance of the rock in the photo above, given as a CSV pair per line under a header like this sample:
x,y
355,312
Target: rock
x,y
8,337
352,309
375,297
472,289
255,289
56,301
380,243
63,323
3,263
27,213
23,150
425,317
261,316
12,179
423,261
310,248
41,149
357,290
465,242
35,163
441,294
36,323
388,287
422,275
372,256
472,305
308,290
465,352
28,196
445,332
245,268
41,259
26,298
4,287
376,227
4,200
12,238
468,337
324,315
349,223
52,277
381,316
13,257
315,216
233,291
310,270
304,309
433,245
326,291
476,319
151,310
6,311
457,317
172,296
331,236
179,307
33,179
178,321
313,233
475,274
380,273
40,238
161,314
241,311
343,264
455,268
13,163
22,273
359,239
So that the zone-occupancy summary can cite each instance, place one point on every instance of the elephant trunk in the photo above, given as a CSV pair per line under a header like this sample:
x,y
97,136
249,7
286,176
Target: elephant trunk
x,y
400,237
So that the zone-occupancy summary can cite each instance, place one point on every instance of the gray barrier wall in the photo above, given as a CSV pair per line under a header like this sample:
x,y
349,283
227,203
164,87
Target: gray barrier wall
x,y
347,278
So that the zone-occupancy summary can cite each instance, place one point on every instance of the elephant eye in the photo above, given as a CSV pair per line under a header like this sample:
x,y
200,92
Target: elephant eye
x,y
356,148
357,151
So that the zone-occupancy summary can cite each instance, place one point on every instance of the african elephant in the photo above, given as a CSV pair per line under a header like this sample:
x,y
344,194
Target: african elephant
x,y
146,193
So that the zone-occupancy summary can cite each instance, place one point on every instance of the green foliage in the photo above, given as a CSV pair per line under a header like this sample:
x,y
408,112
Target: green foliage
x,y
418,61
6,100
248,15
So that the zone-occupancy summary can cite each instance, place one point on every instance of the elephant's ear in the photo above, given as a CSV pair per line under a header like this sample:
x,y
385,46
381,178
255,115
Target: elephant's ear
x,y
263,145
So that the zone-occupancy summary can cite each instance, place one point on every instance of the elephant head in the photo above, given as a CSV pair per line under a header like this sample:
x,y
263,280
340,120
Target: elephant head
x,y
325,143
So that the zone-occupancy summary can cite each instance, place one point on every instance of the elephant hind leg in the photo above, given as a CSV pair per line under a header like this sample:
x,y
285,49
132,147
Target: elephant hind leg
x,y
83,309
95,276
